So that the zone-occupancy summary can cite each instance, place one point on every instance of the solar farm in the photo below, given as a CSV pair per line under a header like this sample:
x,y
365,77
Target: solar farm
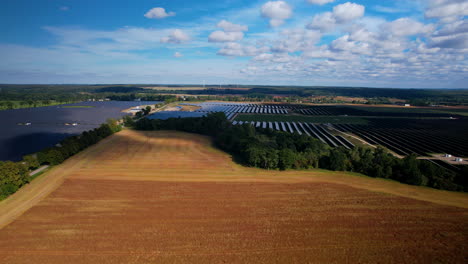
x,y
404,131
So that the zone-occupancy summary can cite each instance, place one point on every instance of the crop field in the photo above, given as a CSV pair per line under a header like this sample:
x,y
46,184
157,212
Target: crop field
x,y
170,197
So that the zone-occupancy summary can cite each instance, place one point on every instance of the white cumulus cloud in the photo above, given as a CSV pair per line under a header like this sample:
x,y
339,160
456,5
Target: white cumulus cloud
x,y
341,14
231,32
277,12
348,11
177,36
158,13
178,54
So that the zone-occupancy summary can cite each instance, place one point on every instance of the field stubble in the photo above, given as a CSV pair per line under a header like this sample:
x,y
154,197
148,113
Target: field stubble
x,y
168,197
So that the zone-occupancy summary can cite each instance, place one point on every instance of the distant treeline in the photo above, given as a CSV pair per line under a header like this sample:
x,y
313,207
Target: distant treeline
x,y
13,175
420,97
269,149
73,93
12,96
143,97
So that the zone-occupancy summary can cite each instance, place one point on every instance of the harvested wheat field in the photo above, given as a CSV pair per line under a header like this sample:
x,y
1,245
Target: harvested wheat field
x,y
169,197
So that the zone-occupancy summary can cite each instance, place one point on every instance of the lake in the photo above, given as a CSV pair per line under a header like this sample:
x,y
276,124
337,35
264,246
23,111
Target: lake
x,y
28,130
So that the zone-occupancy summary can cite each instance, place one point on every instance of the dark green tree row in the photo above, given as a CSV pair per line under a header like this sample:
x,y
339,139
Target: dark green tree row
x,y
269,149
13,175
72,145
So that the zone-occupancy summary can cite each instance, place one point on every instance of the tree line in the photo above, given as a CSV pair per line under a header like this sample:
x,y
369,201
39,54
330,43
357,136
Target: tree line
x,y
13,175
270,149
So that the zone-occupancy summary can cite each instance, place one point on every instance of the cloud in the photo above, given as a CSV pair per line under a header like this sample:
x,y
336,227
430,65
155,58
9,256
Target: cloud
x,y
391,10
231,32
158,13
458,41
458,27
451,36
368,49
277,12
341,14
176,37
64,8
221,36
406,27
295,40
320,2
237,50
103,42
343,46
231,27
324,22
347,12
447,10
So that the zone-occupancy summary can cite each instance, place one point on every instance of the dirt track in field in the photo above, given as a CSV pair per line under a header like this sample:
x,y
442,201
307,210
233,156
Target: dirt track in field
x,y
167,197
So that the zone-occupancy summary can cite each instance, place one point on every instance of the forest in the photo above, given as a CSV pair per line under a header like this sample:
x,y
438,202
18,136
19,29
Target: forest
x,y
35,95
269,149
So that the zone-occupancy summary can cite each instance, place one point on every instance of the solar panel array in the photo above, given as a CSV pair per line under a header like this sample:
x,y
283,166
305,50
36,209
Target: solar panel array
x,y
232,109
310,129
242,108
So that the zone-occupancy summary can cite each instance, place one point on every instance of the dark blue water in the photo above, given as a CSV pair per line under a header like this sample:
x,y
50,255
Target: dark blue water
x,y
48,125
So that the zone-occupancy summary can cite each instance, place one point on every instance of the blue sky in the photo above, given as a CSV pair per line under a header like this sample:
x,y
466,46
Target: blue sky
x,y
385,43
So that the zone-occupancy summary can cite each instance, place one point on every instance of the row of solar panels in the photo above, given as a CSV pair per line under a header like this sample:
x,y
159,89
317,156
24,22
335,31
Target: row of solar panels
x,y
230,116
241,104
314,111
310,129
243,109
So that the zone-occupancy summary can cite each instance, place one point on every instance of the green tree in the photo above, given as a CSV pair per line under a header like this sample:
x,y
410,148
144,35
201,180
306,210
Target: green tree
x,y
128,121
113,125
255,156
9,105
286,159
13,175
147,110
51,156
338,160
31,162
410,168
